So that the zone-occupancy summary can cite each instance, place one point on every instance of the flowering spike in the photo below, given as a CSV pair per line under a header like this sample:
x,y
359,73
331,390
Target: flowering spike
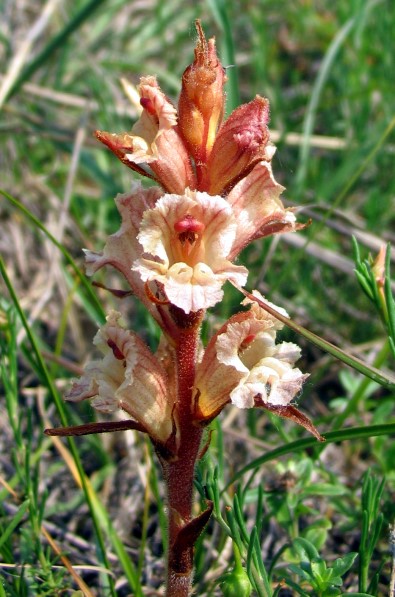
x,y
175,248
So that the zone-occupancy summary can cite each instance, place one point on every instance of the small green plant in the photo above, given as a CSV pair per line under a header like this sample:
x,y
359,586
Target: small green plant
x,y
374,276
372,524
324,580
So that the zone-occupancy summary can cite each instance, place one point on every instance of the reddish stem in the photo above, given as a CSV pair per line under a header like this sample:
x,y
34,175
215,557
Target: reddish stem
x,y
179,473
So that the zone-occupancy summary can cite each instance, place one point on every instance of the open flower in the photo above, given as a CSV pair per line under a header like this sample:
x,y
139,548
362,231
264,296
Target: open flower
x,y
123,248
186,240
128,377
258,208
263,367
154,141
243,365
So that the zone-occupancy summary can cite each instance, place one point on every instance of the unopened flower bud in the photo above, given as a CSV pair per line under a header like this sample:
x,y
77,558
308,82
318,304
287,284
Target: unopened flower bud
x,y
201,103
240,144
378,267
236,584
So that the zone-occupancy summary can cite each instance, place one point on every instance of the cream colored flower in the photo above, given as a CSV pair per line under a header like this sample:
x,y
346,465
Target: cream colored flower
x,y
158,116
266,369
244,365
128,377
186,239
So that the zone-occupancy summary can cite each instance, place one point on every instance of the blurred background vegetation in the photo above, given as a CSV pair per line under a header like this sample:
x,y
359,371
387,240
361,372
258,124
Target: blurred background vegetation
x,y
328,71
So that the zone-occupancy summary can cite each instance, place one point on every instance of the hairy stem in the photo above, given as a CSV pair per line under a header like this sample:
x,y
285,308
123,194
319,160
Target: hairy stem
x,y
179,473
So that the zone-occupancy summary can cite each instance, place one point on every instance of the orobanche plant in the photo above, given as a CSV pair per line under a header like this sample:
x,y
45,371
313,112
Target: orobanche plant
x,y
177,245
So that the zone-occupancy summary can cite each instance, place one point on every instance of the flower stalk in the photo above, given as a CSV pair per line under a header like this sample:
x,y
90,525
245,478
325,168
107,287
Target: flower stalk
x,y
179,472
177,245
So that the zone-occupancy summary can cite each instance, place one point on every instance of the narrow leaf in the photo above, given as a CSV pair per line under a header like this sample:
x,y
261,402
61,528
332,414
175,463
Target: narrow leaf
x,y
302,444
14,522
85,282
90,428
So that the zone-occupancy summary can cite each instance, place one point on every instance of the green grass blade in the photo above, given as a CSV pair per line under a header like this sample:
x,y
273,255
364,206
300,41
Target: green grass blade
x,y
359,393
389,299
262,580
357,595
127,565
354,178
302,444
55,43
323,74
84,281
14,522
96,509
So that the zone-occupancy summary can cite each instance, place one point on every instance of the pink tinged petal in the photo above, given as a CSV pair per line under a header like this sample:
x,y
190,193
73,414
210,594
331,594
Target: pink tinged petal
x,y
270,372
274,381
164,149
186,239
173,168
288,352
239,145
221,369
122,146
256,204
154,140
158,116
243,395
279,224
156,106
287,388
257,192
123,248
86,386
243,363
260,313
128,377
228,344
